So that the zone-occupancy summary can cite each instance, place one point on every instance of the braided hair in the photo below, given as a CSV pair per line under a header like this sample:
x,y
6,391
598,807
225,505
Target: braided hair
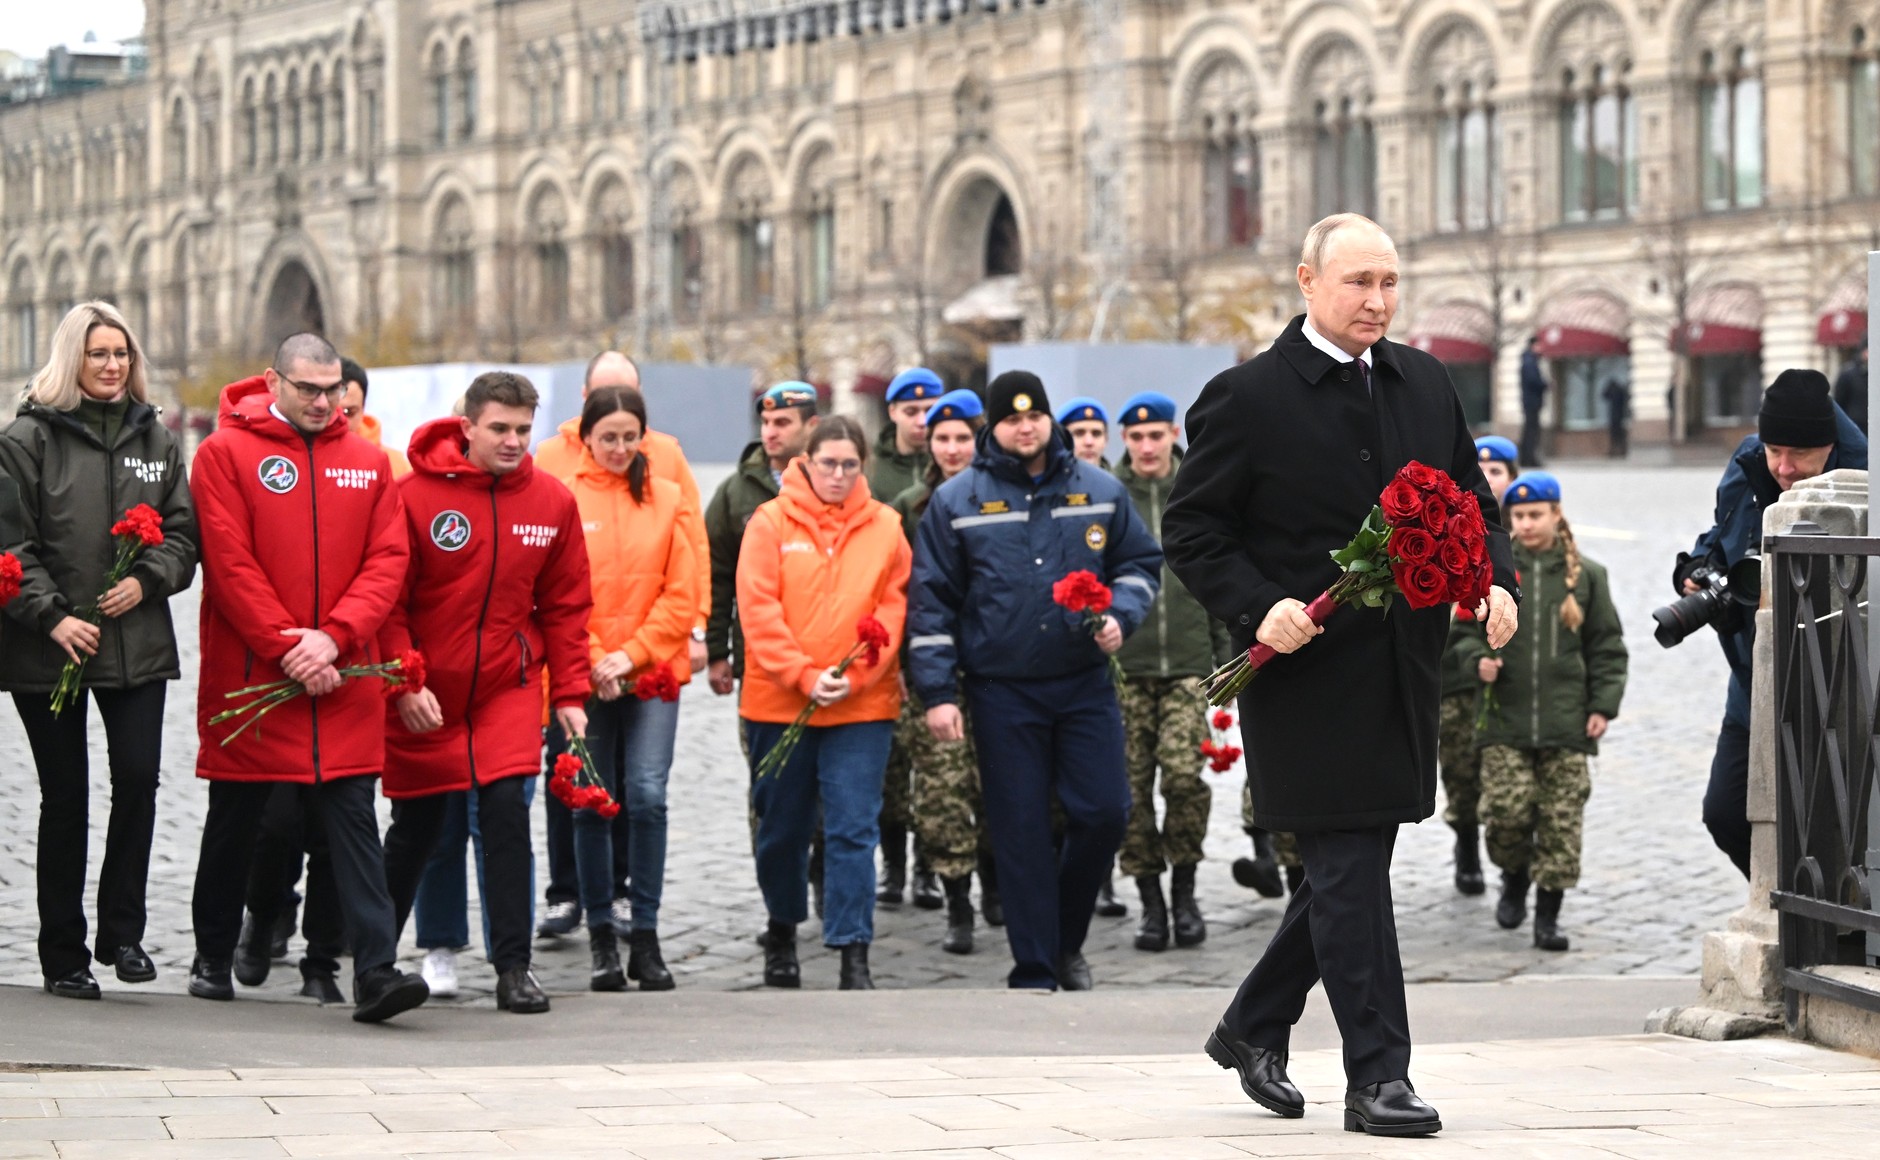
x,y
1571,614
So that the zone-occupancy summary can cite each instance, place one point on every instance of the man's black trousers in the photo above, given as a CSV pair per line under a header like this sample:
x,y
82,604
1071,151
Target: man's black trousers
x,y
133,730
344,807
503,819
286,833
1338,929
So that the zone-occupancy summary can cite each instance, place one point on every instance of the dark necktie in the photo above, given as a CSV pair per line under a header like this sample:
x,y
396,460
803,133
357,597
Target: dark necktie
x,y
1364,373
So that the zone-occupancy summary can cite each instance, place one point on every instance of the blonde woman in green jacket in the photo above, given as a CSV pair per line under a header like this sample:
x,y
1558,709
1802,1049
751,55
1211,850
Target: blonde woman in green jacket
x,y
1551,694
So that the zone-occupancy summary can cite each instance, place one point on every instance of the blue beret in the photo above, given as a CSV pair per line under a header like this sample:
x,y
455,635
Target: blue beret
x,y
1496,448
1532,487
960,404
914,384
788,394
1083,409
1148,407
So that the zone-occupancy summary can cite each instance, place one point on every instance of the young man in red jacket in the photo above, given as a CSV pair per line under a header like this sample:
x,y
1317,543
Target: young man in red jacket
x,y
497,590
303,556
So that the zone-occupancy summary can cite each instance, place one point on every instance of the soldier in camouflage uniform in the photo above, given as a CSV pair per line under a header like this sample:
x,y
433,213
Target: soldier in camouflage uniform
x,y
1558,684
1165,714
1277,846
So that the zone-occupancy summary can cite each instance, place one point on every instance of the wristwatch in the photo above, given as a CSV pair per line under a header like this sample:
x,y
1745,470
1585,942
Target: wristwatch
x,y
698,636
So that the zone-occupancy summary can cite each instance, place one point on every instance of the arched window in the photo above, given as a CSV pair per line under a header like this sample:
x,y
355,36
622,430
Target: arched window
x,y
294,137
271,113
137,290
748,196
208,142
176,146
466,90
440,97
1465,160
23,335
61,287
613,250
336,103
250,131
455,266
1344,144
101,277
548,223
685,253
817,256
1863,114
1598,146
316,114
1730,130
1222,114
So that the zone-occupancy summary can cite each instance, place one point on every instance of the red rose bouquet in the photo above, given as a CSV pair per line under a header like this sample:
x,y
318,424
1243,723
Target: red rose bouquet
x,y
1083,593
1220,754
10,576
575,783
403,675
141,527
657,684
1425,541
870,638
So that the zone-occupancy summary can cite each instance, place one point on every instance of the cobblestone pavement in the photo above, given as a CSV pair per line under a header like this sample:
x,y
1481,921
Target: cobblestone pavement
x,y
1653,882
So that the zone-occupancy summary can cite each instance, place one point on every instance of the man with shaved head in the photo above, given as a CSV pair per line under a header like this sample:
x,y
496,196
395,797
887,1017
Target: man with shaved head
x,y
1290,452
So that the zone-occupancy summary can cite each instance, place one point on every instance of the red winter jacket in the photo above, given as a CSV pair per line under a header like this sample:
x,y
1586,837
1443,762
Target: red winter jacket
x,y
297,532
498,589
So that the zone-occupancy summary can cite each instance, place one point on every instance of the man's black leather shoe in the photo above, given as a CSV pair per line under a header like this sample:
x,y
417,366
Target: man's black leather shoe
x,y
252,954
77,984
133,965
321,985
518,992
1390,1108
1262,1073
383,992
208,979
1073,973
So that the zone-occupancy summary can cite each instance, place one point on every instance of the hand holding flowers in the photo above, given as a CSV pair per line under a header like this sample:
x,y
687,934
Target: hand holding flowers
x,y
141,527
832,685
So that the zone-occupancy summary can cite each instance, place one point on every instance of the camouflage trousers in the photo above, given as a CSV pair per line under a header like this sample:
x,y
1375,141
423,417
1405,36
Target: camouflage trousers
x,y
1285,846
949,825
1533,805
897,786
1165,720
1461,763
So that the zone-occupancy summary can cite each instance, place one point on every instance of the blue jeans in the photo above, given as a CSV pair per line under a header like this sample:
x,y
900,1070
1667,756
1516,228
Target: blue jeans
x,y
441,912
844,764
631,742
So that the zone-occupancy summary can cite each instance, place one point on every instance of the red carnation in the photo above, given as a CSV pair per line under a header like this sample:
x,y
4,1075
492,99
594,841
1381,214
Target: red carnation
x,y
1210,747
408,674
609,810
874,637
1412,545
143,522
1081,591
1401,501
657,684
1223,720
567,765
10,576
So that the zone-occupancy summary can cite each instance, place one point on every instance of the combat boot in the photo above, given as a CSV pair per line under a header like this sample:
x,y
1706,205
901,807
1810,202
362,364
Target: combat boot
x,y
1547,934
252,953
854,972
646,964
1511,911
1260,873
604,950
1191,930
1152,931
1108,905
959,940
780,966
893,865
989,904
927,893
1468,861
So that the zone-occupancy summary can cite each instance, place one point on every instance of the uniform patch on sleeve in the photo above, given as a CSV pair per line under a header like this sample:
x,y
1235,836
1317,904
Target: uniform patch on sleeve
x,y
1095,537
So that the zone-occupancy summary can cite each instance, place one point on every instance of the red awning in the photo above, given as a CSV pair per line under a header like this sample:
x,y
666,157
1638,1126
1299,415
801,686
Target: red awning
x,y
1721,320
1700,338
1455,332
1584,325
873,386
1841,329
1573,342
1457,351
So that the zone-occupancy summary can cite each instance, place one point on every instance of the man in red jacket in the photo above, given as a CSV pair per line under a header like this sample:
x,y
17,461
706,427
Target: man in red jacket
x,y
304,553
497,590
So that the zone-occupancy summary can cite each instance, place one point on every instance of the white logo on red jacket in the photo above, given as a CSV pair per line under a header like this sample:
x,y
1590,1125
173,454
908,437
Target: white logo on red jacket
x,y
278,474
535,535
353,477
450,530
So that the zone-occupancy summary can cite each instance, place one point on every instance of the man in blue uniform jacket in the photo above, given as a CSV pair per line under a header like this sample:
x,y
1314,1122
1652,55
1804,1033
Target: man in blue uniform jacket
x,y
993,541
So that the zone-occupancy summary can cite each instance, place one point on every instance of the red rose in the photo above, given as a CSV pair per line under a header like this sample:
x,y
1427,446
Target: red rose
x,y
1421,476
1423,586
1412,545
1453,557
1401,502
10,576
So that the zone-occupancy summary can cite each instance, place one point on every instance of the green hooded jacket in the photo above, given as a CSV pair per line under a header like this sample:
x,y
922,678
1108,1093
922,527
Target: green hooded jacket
x,y
907,505
1177,638
889,472
1552,678
731,507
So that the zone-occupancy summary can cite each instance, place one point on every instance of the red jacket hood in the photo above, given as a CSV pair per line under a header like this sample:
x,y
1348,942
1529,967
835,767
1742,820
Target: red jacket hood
x,y
437,448
247,402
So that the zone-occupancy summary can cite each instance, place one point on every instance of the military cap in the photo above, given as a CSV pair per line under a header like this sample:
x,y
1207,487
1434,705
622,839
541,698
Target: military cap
x,y
1148,407
914,384
788,394
1496,448
960,404
1083,409
1532,487
1015,393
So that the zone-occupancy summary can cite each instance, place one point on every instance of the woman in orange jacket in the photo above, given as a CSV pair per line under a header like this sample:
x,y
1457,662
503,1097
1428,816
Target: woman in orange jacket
x,y
643,577
814,562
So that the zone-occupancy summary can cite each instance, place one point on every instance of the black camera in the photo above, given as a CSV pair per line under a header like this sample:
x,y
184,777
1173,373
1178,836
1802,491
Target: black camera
x,y
1718,591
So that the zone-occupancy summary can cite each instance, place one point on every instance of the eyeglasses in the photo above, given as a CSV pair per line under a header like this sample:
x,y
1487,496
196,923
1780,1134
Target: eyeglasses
x,y
104,358
837,466
310,392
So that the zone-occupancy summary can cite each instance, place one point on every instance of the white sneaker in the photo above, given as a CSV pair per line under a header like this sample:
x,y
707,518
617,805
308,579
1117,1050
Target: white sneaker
x,y
440,972
623,917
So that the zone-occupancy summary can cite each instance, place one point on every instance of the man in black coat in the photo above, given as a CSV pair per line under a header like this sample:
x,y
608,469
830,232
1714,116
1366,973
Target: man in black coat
x,y
1290,452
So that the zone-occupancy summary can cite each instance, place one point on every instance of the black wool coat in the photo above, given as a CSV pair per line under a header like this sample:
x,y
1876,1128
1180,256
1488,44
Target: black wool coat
x,y
1287,455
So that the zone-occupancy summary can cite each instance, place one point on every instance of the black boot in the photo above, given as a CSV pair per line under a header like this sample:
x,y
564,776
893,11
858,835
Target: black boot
x,y
1152,931
855,975
989,904
252,953
604,948
1107,904
780,965
1191,930
1511,911
1468,861
518,992
1260,873
893,865
959,940
208,979
1295,878
284,926
927,894
646,964
1547,934
320,985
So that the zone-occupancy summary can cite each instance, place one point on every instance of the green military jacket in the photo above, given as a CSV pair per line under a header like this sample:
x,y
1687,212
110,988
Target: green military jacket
x,y
1552,678
1177,638
1456,676
731,507
907,505
889,472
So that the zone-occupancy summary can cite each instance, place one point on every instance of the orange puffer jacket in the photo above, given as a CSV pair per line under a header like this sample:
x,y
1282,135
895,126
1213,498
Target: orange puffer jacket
x,y
641,569
807,573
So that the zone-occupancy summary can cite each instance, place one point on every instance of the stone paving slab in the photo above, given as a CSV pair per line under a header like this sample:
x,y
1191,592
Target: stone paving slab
x,y
1642,1097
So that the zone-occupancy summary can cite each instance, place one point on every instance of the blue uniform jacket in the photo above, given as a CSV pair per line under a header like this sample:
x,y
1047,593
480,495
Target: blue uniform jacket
x,y
989,548
1745,490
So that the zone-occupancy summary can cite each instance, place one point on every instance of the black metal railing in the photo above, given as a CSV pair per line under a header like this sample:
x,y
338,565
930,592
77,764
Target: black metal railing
x,y
1827,728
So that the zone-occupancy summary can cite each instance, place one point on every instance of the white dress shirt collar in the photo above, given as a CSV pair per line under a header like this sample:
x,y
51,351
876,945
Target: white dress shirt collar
x,y
1326,345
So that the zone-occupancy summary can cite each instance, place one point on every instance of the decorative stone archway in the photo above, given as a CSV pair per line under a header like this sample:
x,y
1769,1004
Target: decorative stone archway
x,y
293,304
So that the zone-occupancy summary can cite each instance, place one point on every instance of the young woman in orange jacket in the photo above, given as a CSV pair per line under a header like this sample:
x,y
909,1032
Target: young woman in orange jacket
x,y
814,562
645,601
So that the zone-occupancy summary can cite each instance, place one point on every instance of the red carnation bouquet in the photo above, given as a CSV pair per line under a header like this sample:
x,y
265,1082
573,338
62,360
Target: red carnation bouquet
x,y
1220,754
657,684
141,527
1082,592
575,783
10,576
870,638
403,675
1425,541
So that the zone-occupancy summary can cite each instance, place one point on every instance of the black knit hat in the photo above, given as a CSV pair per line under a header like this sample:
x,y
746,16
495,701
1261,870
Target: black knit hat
x,y
1797,412
1013,393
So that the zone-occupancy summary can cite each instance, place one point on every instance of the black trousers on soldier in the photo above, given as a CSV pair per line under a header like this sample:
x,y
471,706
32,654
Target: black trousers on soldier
x,y
1338,929
503,820
287,834
133,729
343,807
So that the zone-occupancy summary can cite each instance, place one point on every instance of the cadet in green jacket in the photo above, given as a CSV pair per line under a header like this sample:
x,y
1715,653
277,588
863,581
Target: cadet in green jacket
x,y
1455,738
1165,714
1556,686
